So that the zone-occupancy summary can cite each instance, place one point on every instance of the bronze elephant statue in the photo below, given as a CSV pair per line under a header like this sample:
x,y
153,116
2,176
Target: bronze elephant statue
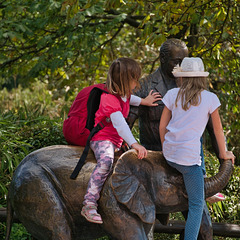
x,y
48,202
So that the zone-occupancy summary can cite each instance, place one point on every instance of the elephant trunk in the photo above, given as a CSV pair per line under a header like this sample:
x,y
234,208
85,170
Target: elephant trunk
x,y
219,181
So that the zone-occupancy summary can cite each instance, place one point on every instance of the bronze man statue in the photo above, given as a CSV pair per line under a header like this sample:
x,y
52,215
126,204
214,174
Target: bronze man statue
x,y
172,53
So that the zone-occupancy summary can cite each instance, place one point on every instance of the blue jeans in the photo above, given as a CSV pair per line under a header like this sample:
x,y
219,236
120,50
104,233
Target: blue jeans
x,y
202,157
194,183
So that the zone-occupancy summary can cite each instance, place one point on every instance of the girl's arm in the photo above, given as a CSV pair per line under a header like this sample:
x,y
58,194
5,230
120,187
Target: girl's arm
x,y
218,131
147,101
165,118
120,124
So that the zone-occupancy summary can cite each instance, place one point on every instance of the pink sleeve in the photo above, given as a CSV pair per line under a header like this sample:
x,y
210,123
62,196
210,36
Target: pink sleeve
x,y
110,104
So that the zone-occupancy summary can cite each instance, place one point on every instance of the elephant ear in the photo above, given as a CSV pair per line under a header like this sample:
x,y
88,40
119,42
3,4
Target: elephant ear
x,y
128,189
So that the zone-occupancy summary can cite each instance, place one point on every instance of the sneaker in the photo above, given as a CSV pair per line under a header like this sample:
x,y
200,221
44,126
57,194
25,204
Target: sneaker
x,y
90,213
216,198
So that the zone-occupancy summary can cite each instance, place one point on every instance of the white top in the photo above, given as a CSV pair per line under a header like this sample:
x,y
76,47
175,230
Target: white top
x,y
120,123
182,141
134,100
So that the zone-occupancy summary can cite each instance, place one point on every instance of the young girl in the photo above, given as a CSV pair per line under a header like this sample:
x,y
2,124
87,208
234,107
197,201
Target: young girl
x,y
122,78
184,118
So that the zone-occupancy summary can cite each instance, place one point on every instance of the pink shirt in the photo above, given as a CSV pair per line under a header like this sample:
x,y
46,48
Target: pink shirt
x,y
109,104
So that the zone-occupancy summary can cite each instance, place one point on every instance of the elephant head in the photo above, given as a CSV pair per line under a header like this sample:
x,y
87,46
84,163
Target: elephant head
x,y
151,186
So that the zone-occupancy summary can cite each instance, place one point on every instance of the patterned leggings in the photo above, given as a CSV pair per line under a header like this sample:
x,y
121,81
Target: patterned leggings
x,y
104,153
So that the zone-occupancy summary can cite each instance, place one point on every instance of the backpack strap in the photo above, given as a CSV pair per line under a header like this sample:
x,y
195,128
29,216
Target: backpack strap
x,y
82,159
93,105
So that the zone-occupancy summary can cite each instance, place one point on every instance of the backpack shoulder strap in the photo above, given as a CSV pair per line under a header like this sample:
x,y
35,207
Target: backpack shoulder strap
x,y
82,159
93,105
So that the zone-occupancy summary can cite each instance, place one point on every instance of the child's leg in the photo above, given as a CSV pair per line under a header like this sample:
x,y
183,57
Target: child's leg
x,y
202,157
104,153
194,183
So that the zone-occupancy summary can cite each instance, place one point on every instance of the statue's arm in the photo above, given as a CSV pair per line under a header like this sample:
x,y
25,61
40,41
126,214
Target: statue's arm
x,y
132,116
134,110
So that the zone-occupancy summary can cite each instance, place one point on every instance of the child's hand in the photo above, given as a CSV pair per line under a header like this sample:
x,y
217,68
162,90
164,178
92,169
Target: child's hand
x,y
142,151
229,155
151,99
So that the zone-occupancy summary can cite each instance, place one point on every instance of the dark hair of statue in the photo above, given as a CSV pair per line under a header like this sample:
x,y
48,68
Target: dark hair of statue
x,y
166,47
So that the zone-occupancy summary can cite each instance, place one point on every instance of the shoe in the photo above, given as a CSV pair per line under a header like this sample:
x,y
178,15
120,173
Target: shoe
x,y
90,213
216,198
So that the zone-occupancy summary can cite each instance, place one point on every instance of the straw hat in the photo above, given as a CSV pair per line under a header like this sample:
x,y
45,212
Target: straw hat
x,y
190,67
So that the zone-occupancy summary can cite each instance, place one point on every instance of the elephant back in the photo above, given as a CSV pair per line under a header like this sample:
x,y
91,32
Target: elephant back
x,y
46,200
48,170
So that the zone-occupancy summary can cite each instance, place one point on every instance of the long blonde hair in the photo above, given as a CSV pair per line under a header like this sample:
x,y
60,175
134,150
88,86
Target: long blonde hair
x,y
190,91
120,75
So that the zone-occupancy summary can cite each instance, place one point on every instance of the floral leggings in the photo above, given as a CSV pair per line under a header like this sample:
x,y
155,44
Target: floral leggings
x,y
104,153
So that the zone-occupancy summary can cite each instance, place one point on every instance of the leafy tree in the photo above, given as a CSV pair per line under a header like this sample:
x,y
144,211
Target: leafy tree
x,y
74,40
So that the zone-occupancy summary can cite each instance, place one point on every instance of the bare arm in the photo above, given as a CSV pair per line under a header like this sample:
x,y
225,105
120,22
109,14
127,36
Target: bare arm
x,y
211,133
165,118
218,131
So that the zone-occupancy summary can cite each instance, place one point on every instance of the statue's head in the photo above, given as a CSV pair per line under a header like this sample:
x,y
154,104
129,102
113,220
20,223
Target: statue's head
x,y
172,52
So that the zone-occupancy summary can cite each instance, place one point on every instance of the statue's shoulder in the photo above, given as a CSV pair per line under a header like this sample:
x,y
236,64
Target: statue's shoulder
x,y
148,82
153,77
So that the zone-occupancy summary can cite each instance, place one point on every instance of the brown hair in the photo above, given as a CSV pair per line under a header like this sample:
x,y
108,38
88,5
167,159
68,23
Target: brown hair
x,y
121,73
190,91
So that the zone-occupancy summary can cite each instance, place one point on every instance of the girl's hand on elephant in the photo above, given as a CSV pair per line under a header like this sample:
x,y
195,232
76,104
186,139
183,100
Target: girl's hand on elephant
x,y
228,155
142,151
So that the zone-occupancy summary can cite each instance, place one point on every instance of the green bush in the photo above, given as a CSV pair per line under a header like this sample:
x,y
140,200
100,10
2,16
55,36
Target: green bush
x,y
18,232
19,137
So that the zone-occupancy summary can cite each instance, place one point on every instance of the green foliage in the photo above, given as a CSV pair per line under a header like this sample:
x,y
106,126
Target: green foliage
x,y
229,209
64,42
19,137
230,112
18,232
25,126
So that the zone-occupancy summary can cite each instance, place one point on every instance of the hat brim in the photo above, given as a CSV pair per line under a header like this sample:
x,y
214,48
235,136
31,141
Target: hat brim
x,y
190,74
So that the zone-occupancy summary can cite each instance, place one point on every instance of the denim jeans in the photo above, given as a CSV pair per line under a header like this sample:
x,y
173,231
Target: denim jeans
x,y
202,157
194,183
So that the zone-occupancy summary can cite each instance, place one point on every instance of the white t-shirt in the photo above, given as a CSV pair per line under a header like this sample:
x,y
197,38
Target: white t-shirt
x,y
182,141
